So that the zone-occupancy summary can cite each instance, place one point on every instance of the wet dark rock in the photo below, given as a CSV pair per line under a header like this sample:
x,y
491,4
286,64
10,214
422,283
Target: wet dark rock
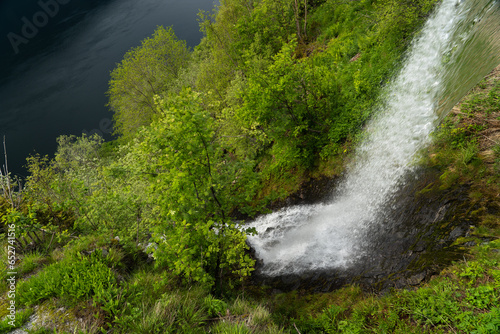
x,y
414,240
456,233
493,210
312,191
417,279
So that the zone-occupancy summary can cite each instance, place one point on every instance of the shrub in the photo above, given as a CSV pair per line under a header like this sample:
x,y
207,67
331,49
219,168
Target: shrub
x,y
74,279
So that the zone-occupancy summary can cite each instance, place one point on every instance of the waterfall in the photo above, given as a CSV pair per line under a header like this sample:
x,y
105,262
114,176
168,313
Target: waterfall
x,y
458,46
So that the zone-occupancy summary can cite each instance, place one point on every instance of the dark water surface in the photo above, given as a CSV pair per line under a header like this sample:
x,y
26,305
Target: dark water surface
x,y
55,60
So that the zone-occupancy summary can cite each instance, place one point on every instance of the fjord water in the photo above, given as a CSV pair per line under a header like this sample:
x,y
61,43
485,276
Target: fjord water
x,y
54,82
457,47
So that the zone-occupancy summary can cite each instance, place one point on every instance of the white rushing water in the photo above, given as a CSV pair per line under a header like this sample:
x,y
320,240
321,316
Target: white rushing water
x,y
323,236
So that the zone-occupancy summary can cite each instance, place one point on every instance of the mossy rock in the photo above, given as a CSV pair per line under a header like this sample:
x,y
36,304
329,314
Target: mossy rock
x,y
415,238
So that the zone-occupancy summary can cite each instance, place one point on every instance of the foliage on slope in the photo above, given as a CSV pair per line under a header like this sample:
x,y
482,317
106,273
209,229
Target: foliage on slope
x,y
274,91
464,297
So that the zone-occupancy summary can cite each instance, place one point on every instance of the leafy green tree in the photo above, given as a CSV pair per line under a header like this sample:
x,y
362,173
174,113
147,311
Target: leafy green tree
x,y
119,201
196,184
292,101
65,180
96,190
145,72
240,38
240,34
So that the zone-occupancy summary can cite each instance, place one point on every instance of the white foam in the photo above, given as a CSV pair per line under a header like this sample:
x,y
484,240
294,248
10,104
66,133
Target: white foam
x,y
303,238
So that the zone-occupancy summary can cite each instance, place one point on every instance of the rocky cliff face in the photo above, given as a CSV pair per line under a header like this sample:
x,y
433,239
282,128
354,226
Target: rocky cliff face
x,y
429,221
417,237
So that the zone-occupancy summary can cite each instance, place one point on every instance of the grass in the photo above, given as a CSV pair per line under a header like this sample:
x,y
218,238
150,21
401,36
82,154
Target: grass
x,y
107,284
20,319
463,298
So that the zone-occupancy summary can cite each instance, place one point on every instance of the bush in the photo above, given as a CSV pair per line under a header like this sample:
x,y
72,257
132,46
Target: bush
x,y
74,279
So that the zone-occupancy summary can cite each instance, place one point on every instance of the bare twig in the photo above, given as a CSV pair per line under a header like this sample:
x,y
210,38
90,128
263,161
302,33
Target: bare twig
x,y
50,243
5,177
493,141
296,328
6,167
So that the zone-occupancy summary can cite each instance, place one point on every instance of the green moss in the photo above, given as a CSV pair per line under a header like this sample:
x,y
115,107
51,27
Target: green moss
x,y
426,190
50,315
3,306
476,213
463,240
476,195
448,179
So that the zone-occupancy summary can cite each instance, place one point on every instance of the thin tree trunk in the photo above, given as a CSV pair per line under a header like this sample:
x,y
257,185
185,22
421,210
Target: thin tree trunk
x,y
297,20
218,273
305,19
37,237
138,222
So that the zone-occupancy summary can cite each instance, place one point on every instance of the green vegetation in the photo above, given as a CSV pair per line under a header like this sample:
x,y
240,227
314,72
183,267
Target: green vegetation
x,y
144,73
464,299
195,186
140,235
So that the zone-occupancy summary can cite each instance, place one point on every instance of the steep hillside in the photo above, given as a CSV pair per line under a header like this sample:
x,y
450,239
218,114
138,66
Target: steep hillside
x,y
143,234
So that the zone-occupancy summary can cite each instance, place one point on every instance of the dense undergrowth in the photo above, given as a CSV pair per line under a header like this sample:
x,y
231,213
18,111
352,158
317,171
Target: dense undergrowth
x,y
140,235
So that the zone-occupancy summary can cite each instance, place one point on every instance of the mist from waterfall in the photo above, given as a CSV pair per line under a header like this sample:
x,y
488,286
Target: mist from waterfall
x,y
457,47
